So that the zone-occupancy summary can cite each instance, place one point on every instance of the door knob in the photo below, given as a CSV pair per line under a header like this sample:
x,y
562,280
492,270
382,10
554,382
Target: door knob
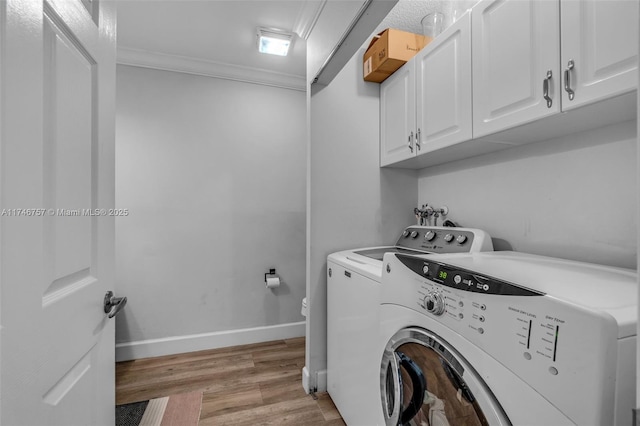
x,y
113,305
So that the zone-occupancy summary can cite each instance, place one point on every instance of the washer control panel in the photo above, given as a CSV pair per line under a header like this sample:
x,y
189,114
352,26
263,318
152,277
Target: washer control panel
x,y
439,239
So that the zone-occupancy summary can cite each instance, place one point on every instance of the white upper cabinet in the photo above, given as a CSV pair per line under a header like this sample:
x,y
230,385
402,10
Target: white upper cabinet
x,y
599,50
426,104
512,72
516,53
398,116
443,83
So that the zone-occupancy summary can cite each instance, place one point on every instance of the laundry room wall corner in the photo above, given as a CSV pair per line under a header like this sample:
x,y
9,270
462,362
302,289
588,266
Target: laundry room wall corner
x,y
351,201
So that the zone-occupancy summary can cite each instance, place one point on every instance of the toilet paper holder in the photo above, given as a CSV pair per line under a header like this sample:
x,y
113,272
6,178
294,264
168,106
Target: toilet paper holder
x,y
272,271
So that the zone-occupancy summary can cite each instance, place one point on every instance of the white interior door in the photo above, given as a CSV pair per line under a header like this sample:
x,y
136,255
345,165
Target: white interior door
x,y
57,88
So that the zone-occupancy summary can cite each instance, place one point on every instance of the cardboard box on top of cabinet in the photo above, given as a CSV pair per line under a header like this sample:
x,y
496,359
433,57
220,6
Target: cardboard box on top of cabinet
x,y
388,51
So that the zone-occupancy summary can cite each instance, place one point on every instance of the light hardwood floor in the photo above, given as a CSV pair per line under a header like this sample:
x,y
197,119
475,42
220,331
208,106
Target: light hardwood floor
x,y
257,384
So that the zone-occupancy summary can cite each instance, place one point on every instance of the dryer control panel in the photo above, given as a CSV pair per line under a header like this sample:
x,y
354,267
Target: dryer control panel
x,y
462,279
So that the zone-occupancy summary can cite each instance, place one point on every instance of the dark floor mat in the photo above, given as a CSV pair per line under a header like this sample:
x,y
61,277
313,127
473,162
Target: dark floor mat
x,y
130,414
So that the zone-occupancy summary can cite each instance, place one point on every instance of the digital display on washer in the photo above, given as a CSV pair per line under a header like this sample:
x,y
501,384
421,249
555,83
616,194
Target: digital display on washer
x,y
462,279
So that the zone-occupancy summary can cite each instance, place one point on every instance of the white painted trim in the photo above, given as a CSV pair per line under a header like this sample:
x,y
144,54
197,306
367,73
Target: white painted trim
x,y
321,380
197,342
307,18
305,380
188,65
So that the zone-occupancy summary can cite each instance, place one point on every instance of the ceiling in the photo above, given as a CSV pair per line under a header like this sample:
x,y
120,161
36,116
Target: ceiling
x,y
216,31
221,34
407,14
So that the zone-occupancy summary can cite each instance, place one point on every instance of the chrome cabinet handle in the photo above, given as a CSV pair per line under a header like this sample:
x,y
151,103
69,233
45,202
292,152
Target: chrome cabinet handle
x,y
113,305
411,142
567,81
418,146
545,89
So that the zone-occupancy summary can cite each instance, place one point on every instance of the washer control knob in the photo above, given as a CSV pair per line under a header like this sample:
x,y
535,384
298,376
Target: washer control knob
x,y
425,269
461,239
434,303
405,233
457,279
448,238
430,235
414,234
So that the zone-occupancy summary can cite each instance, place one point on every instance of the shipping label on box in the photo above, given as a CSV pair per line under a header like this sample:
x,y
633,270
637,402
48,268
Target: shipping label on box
x,y
368,68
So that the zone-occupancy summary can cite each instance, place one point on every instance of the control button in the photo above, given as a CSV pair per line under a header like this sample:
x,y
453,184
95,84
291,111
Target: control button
x,y
457,279
434,303
483,307
527,356
461,304
430,235
414,234
406,233
448,238
425,269
460,315
485,287
553,371
461,239
480,330
481,318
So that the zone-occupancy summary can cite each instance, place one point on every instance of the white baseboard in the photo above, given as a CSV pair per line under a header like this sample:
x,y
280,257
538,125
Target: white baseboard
x,y
197,342
320,382
305,380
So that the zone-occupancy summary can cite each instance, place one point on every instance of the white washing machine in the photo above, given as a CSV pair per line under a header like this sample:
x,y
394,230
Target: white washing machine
x,y
504,338
353,299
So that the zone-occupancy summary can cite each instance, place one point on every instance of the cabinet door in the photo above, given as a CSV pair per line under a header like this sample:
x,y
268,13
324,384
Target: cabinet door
x,y
600,38
443,74
398,116
515,45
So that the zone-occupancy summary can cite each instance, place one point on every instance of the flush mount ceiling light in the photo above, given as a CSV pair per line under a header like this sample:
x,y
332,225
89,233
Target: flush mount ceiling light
x,y
274,42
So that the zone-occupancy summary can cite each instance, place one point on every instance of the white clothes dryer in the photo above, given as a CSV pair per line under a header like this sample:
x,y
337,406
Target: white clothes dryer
x,y
505,338
353,299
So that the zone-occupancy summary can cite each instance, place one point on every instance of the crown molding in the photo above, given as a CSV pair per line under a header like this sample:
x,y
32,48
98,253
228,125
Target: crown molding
x,y
307,18
162,61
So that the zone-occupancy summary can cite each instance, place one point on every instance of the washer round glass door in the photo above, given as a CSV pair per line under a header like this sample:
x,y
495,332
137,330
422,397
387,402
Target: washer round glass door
x,y
425,381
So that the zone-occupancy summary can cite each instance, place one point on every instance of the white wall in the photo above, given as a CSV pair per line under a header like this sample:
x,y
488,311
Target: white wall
x,y
213,172
352,202
573,197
